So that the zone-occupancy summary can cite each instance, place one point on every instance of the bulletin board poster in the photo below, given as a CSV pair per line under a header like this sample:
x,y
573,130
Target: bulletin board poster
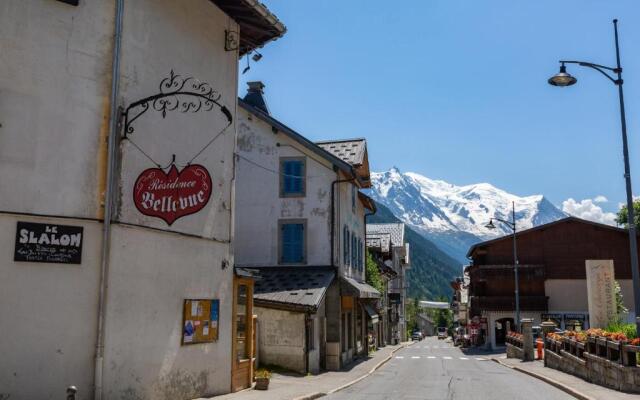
x,y
200,322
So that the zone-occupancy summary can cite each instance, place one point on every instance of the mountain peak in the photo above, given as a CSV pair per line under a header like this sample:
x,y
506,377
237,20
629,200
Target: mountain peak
x,y
457,214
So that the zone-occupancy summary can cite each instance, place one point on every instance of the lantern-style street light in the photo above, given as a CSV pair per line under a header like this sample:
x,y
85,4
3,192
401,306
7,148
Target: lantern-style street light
x,y
511,224
564,79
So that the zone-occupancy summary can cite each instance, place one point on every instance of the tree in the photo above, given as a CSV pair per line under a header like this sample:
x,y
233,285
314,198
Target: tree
x,y
620,308
623,216
372,273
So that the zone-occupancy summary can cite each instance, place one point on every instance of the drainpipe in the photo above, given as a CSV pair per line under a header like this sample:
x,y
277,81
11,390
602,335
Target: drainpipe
x,y
108,201
333,216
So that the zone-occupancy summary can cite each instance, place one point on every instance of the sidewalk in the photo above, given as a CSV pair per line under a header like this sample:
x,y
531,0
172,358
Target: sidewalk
x,y
570,384
287,387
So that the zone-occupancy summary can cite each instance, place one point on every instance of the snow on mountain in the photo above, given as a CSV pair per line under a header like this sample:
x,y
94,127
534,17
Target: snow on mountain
x,y
455,216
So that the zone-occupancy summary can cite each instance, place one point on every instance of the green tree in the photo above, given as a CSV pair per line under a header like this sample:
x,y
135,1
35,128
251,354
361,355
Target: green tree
x,y
410,314
372,273
623,216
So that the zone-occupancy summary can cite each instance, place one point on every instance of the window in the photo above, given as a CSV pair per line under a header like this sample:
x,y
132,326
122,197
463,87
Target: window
x,y
353,198
360,254
347,242
354,250
292,177
241,323
292,242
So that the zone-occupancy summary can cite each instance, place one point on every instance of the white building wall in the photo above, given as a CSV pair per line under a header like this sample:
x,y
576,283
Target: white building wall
x,y
258,202
54,118
355,223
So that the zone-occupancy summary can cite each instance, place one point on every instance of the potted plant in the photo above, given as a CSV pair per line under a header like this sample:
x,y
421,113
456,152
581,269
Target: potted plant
x,y
262,379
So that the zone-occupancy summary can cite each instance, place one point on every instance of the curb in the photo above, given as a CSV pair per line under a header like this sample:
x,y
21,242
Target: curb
x,y
380,364
567,389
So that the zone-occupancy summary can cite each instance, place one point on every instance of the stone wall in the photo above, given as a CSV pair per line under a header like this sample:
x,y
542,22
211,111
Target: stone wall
x,y
595,369
514,351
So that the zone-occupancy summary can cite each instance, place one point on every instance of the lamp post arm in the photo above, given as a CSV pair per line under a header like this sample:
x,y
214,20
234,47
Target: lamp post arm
x,y
511,224
599,68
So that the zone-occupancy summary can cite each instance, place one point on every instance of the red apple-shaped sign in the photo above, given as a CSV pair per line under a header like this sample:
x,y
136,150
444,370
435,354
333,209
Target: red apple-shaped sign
x,y
172,195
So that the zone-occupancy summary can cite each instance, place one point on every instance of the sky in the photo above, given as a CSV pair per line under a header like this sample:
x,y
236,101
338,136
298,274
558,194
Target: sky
x,y
456,90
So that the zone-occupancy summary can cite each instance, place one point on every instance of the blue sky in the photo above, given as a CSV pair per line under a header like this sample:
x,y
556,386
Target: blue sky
x,y
456,90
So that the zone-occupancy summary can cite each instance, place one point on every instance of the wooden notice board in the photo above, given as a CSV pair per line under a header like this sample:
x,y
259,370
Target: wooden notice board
x,y
200,321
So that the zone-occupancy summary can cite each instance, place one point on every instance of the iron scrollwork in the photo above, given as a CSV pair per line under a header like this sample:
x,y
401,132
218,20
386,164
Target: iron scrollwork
x,y
176,94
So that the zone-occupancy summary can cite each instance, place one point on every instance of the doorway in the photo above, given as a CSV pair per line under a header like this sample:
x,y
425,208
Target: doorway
x,y
501,330
243,339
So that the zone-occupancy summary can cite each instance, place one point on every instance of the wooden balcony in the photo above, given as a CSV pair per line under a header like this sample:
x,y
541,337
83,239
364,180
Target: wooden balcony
x,y
508,303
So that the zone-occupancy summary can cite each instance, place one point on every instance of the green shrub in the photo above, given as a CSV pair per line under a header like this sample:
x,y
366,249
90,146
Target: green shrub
x,y
629,330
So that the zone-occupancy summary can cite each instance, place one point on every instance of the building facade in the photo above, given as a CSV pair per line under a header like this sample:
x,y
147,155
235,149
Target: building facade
x,y
300,226
116,215
552,274
397,259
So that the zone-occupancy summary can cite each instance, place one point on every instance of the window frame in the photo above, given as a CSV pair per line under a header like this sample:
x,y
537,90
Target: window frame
x,y
346,241
303,192
294,221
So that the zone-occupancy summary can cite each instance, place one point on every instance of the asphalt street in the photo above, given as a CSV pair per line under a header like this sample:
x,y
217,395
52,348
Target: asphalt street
x,y
434,369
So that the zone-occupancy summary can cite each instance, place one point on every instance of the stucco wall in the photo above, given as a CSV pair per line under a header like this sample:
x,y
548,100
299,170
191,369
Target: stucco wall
x,y
258,202
55,76
281,338
144,357
355,223
161,36
48,315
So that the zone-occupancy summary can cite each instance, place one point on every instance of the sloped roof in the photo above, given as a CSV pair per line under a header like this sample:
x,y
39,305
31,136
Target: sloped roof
x,y
352,151
258,25
380,241
396,230
298,288
545,226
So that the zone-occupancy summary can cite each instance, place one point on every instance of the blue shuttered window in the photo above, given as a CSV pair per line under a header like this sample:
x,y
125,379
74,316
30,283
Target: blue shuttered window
x,y
346,245
292,243
292,177
354,250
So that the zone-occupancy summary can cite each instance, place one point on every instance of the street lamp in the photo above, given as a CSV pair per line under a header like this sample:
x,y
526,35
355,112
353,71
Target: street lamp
x,y
511,224
564,79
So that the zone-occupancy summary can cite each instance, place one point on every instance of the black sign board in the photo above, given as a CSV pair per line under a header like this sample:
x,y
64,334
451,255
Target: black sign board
x,y
48,243
557,318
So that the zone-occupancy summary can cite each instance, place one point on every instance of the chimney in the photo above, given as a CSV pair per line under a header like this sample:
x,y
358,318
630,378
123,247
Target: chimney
x,y
255,96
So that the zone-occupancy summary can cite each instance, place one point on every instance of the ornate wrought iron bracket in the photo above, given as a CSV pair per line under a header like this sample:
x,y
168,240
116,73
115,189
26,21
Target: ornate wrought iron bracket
x,y
176,94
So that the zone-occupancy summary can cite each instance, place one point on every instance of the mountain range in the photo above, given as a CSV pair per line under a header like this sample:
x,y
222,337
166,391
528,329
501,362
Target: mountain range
x,y
444,220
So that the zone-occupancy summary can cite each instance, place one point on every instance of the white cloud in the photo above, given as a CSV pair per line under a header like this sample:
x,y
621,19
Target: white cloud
x,y
589,210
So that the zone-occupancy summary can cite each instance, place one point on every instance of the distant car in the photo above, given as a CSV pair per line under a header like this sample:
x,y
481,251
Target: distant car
x,y
442,332
416,336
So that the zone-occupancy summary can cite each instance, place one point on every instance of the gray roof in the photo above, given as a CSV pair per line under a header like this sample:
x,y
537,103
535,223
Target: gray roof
x,y
396,230
381,241
352,151
298,288
352,287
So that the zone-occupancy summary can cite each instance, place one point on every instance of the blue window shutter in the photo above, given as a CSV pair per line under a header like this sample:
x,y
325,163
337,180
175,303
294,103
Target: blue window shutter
x,y
293,177
296,171
347,243
292,243
288,186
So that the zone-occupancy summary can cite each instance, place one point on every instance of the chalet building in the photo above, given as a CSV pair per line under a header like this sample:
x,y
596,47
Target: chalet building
x,y
397,258
300,228
116,217
552,274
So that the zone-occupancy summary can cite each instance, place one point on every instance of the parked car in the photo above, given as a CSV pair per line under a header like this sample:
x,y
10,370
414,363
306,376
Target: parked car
x,y
417,335
442,332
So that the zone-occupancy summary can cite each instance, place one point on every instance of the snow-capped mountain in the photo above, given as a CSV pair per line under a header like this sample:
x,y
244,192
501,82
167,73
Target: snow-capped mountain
x,y
454,217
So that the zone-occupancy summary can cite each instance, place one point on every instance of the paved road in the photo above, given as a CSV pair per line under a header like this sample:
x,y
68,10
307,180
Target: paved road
x,y
433,369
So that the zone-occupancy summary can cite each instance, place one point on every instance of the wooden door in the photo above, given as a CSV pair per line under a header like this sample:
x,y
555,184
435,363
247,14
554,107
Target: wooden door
x,y
243,338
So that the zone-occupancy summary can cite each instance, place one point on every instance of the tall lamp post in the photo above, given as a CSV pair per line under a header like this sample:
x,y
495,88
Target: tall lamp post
x,y
564,79
511,224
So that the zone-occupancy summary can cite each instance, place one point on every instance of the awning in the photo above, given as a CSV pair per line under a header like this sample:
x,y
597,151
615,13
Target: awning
x,y
351,287
371,312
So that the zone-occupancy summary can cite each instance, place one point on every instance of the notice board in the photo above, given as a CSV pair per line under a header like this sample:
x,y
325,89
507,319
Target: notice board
x,y
48,243
200,321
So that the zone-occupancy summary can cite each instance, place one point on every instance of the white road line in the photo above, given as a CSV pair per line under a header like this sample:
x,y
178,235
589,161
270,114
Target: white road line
x,y
431,357
415,357
425,347
463,358
400,357
446,358
481,359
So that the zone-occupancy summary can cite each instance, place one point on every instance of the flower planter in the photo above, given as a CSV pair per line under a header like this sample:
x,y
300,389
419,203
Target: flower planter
x,y
262,384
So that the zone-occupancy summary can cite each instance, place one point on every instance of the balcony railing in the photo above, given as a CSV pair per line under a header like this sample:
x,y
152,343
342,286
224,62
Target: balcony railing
x,y
508,303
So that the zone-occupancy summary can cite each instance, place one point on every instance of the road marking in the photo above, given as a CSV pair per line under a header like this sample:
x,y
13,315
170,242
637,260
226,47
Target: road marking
x,y
463,358
481,359
415,357
425,347
446,358
400,357
432,357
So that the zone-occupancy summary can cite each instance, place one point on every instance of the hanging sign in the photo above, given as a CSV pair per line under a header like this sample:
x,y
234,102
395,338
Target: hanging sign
x,y
48,243
170,196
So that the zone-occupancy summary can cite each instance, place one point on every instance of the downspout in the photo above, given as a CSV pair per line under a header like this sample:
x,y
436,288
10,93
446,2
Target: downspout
x,y
333,216
108,201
